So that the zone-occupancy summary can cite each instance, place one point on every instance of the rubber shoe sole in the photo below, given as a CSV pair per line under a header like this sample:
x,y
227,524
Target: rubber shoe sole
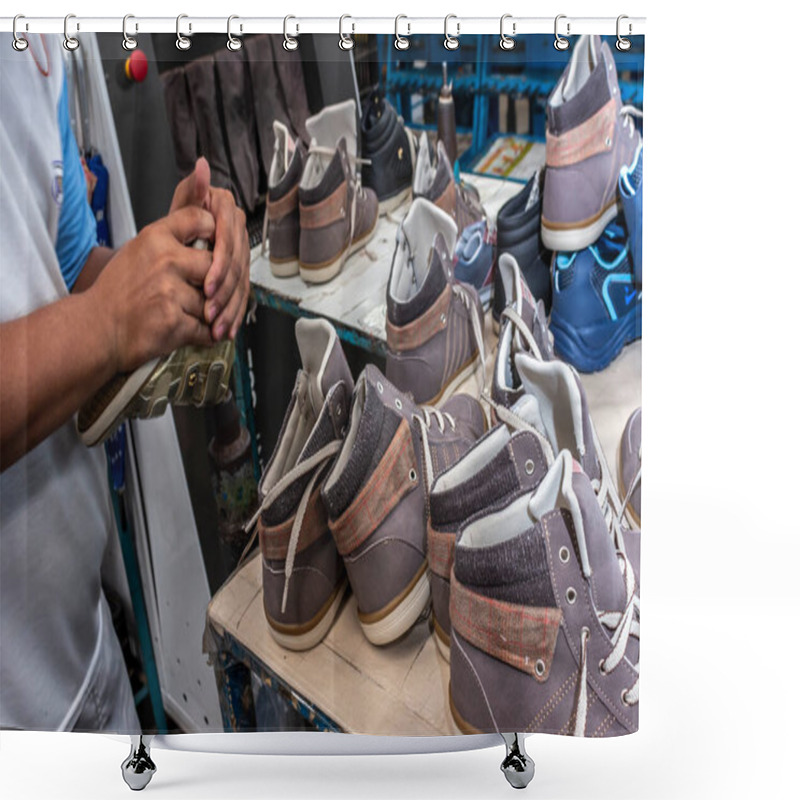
x,y
198,376
397,617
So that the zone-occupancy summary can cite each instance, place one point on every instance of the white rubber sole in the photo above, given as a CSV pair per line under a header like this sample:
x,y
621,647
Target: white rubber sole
x,y
391,203
441,646
311,638
111,416
570,239
328,273
398,621
284,269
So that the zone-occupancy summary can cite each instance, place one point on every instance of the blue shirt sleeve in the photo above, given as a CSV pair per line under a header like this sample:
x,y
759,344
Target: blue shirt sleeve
x,y
77,228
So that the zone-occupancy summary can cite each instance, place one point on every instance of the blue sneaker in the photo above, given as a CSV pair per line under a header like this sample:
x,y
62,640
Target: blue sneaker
x,y
630,190
597,307
473,261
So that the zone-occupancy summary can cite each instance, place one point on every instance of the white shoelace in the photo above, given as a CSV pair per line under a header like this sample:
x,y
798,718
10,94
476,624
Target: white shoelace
x,y
623,625
424,420
634,483
477,329
510,313
317,463
628,113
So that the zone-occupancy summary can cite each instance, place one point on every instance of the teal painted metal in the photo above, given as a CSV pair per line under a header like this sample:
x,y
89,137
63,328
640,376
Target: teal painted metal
x,y
139,610
357,338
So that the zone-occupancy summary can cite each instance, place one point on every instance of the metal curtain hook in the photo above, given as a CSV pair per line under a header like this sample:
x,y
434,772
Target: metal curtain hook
x,y
345,42
506,42
182,42
19,43
289,43
623,44
234,43
401,42
70,42
561,43
451,42
128,42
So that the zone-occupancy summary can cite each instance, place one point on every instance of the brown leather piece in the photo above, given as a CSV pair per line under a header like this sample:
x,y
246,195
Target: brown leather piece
x,y
332,209
520,636
278,209
274,541
418,331
387,486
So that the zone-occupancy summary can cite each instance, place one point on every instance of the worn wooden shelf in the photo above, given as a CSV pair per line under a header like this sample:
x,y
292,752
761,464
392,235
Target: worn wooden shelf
x,y
355,300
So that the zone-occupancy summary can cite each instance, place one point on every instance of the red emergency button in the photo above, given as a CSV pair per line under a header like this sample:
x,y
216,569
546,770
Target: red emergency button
x,y
136,66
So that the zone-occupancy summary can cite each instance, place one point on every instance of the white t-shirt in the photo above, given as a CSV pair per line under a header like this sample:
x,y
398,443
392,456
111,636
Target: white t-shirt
x,y
55,511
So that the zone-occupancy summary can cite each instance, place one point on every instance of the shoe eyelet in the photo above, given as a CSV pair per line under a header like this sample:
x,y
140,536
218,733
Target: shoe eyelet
x,y
398,404
571,595
624,697
608,141
602,667
380,387
539,667
614,90
412,475
443,318
563,554
529,467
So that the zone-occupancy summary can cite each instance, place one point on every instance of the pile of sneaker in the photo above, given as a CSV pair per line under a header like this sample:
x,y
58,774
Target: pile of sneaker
x,y
591,210
318,211
344,496
534,568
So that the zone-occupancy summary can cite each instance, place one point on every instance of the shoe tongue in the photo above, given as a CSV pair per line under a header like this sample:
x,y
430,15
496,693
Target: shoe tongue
x,y
558,409
533,195
323,360
334,123
284,150
566,486
421,226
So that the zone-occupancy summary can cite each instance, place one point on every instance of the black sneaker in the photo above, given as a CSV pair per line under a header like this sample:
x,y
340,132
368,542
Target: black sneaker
x,y
390,149
518,234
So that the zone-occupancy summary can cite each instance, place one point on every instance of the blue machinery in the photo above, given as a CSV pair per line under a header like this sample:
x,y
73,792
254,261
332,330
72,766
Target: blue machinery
x,y
480,71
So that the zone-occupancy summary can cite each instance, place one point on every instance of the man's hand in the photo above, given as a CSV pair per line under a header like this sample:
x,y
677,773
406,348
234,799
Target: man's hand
x,y
227,284
150,294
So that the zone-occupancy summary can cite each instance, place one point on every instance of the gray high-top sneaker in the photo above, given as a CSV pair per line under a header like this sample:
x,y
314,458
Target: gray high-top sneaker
x,y
337,215
498,468
376,497
630,466
544,631
434,323
523,329
434,180
282,218
554,404
590,137
303,574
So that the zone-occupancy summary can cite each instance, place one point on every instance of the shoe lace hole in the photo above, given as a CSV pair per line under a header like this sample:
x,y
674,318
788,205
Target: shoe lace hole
x,y
380,387
443,318
412,475
563,554
608,141
539,667
602,667
624,698
572,595
398,404
529,466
